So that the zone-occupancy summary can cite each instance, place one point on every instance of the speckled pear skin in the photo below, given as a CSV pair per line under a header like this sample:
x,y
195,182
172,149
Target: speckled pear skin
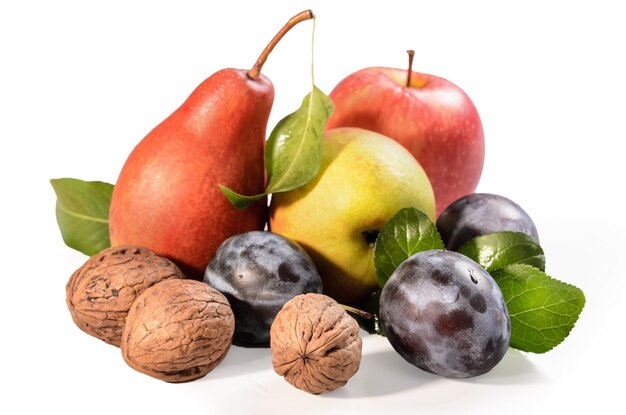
x,y
167,196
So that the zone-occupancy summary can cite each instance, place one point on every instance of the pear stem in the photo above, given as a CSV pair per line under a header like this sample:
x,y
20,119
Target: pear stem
x,y
255,72
410,70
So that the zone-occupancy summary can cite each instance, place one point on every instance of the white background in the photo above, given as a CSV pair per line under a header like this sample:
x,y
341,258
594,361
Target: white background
x,y
82,82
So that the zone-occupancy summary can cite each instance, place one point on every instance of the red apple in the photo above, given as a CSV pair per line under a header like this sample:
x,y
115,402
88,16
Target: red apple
x,y
433,118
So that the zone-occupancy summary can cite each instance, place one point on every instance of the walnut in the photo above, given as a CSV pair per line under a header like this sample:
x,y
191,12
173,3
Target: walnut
x,y
315,344
100,293
178,330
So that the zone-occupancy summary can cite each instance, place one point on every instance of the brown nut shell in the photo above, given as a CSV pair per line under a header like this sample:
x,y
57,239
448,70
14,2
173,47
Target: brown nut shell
x,y
315,344
100,293
178,330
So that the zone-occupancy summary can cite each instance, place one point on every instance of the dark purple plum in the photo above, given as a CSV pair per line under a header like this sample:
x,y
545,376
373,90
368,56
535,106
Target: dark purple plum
x,y
445,314
479,214
259,272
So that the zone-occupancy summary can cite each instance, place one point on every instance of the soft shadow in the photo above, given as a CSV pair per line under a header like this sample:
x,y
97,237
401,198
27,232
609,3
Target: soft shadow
x,y
384,373
513,369
243,360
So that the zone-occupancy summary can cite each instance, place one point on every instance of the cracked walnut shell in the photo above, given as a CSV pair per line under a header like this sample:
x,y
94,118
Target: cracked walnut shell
x,y
100,293
315,344
178,330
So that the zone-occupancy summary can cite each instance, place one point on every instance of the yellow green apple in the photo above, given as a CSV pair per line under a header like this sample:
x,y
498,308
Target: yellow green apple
x,y
365,178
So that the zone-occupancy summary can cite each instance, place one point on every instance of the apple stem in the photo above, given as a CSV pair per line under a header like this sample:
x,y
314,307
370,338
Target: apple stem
x,y
410,71
358,312
300,17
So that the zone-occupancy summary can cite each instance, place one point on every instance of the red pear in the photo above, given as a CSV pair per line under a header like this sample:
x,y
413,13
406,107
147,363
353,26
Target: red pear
x,y
167,196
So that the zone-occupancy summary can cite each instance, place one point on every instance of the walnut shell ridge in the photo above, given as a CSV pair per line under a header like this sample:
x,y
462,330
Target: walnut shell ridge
x,y
100,293
315,344
178,330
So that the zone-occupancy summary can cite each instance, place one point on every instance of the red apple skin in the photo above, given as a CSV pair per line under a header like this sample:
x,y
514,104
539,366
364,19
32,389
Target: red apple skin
x,y
167,196
433,118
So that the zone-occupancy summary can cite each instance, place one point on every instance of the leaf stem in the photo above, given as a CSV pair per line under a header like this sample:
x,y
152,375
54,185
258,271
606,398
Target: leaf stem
x,y
255,72
312,53
358,312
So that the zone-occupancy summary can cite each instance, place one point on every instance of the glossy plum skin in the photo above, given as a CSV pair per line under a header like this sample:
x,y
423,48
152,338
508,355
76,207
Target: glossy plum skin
x,y
479,214
444,314
259,272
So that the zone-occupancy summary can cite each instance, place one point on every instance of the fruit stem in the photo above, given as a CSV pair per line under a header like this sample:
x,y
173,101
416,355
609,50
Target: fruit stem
x,y
255,72
410,70
358,312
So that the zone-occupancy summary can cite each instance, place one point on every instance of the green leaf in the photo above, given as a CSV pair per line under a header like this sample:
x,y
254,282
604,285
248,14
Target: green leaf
x,y
293,151
408,232
82,211
497,250
239,201
543,310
